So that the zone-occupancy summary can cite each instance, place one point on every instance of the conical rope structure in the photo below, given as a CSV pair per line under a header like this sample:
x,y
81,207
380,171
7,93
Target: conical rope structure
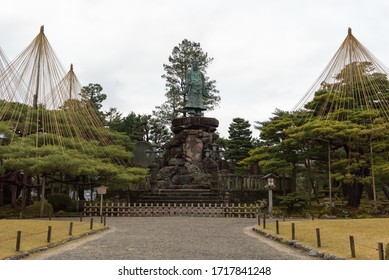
x,y
354,80
348,108
4,61
49,128
40,100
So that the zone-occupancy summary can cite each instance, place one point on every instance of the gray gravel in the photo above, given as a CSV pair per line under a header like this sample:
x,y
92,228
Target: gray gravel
x,y
170,238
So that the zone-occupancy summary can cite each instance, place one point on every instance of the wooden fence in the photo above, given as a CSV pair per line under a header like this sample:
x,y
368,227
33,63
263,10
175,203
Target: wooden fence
x,y
241,210
228,182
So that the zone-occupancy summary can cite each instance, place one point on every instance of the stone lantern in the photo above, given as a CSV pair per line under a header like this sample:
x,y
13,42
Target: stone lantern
x,y
270,186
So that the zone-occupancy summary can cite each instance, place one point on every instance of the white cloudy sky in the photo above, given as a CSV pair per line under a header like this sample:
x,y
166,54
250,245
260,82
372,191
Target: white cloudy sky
x,y
267,53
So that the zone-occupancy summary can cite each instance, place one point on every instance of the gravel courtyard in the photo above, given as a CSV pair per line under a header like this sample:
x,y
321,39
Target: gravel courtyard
x,y
174,238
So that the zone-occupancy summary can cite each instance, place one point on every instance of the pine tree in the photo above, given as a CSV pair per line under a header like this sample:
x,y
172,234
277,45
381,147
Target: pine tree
x,y
239,142
175,76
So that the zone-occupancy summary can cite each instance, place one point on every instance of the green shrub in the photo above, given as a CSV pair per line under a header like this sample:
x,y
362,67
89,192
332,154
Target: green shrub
x,y
73,206
60,202
35,209
293,203
60,213
8,210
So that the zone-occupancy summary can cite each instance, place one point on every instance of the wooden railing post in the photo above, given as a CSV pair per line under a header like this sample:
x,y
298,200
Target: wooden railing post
x,y
381,254
352,246
318,240
49,234
71,228
277,227
264,220
18,239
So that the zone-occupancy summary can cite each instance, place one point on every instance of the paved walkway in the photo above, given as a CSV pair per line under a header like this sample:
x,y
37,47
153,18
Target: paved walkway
x,y
182,238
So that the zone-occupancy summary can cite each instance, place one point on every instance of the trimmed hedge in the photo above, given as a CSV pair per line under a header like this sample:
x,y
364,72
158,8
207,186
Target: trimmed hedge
x,y
35,209
60,202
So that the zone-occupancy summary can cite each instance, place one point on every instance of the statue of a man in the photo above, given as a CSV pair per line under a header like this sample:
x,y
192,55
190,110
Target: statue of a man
x,y
195,90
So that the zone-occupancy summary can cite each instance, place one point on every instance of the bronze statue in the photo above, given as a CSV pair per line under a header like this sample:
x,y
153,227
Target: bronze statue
x,y
195,90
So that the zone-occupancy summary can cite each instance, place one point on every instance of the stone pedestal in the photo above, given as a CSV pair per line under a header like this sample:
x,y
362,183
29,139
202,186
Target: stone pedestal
x,y
184,164
192,136
203,123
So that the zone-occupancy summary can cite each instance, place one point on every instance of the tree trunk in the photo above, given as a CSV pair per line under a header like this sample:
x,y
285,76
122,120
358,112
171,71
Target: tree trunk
x,y
385,189
370,192
81,192
310,181
42,206
1,194
14,195
355,194
294,178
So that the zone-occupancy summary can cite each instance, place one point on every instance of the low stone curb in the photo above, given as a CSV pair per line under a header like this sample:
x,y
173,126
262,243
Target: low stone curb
x,y
52,245
311,251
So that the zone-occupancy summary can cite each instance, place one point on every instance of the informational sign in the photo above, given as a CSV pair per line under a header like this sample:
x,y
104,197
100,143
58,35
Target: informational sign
x,y
101,190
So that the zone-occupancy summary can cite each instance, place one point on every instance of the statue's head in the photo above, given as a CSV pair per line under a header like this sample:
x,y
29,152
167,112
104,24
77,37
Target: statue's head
x,y
195,64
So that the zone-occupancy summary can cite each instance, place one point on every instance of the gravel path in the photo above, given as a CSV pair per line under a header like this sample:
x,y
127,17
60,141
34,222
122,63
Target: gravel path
x,y
182,238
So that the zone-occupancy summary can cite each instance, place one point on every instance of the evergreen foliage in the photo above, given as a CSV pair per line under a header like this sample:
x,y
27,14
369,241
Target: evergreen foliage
x,y
337,125
239,142
103,161
93,92
60,202
34,209
175,78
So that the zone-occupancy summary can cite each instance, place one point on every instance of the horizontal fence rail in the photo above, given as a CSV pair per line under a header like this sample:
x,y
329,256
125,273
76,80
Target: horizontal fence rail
x,y
231,182
241,210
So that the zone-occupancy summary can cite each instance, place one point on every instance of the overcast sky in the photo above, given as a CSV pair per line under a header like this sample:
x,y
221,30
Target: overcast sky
x,y
267,53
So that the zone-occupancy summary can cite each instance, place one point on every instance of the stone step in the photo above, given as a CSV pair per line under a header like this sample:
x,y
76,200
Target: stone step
x,y
189,186
189,197
184,190
178,195
183,194
180,200
159,197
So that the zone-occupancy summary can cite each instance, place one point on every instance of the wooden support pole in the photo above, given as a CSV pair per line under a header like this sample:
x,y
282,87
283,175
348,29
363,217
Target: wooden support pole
x,y
293,231
318,241
91,223
264,220
71,228
352,246
18,239
259,219
381,254
49,234
277,227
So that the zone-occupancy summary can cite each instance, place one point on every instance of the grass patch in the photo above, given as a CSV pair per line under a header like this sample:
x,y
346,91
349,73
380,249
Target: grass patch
x,y
335,235
34,234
